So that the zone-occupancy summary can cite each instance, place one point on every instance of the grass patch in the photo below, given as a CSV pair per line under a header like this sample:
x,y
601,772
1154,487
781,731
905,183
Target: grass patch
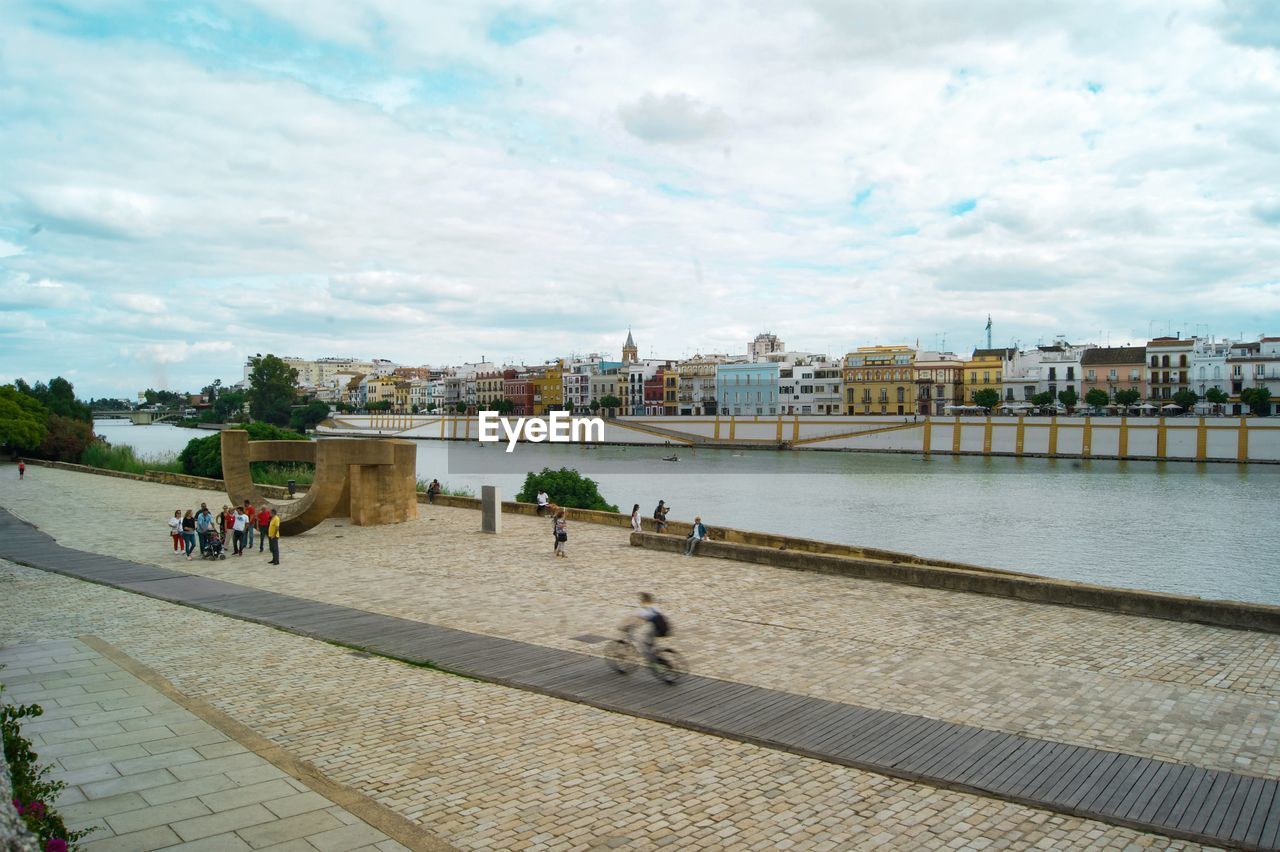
x,y
276,473
125,459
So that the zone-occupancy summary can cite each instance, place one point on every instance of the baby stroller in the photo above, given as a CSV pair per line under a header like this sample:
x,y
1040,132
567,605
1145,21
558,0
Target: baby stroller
x,y
213,548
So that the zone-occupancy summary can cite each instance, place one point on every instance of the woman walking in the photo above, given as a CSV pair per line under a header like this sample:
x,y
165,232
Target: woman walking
x,y
189,532
562,533
175,531
636,525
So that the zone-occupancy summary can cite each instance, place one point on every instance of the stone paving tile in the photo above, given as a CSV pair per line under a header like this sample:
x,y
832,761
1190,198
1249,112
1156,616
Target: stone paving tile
x,y
1073,675
136,802
485,767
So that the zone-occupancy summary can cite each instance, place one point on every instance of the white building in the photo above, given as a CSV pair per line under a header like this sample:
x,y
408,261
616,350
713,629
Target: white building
x,y
1060,369
1209,369
809,384
764,344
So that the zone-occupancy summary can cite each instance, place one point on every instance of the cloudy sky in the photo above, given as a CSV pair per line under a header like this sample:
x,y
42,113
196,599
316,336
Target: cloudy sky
x,y
185,184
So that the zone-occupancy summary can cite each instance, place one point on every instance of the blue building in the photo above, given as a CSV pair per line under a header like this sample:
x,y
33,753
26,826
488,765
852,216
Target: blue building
x,y
747,389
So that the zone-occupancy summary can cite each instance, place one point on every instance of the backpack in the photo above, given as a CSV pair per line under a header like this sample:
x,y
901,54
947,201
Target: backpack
x,y
661,627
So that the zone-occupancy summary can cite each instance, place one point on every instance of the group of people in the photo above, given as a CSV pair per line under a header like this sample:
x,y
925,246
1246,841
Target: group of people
x,y
696,534
559,526
210,532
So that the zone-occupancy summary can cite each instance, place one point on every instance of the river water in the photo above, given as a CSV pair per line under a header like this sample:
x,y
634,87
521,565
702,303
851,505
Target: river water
x,y
1196,529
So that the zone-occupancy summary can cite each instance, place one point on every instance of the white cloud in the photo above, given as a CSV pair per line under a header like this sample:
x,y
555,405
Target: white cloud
x,y
687,168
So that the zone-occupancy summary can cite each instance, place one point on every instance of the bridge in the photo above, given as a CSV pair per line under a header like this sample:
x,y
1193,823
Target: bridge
x,y
139,418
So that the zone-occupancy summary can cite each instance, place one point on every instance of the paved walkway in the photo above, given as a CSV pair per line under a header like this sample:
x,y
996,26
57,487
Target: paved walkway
x,y
144,773
1176,800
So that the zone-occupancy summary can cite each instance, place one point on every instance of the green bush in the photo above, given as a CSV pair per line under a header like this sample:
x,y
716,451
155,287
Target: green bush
x,y
447,490
124,458
66,439
203,456
278,473
33,792
565,487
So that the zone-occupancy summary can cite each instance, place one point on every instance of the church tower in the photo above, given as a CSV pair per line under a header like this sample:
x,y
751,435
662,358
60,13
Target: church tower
x,y
630,355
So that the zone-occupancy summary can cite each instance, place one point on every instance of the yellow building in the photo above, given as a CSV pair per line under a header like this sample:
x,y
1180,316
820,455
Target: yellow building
x,y
488,390
377,390
879,380
670,393
548,388
985,371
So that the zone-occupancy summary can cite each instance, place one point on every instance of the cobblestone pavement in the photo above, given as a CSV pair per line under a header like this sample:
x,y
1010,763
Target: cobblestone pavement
x,y
1181,692
144,773
484,767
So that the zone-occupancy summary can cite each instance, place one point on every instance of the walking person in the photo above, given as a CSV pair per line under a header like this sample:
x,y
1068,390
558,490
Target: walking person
x,y
248,527
225,519
273,537
562,533
660,516
241,523
698,533
189,532
636,524
22,470
175,531
264,521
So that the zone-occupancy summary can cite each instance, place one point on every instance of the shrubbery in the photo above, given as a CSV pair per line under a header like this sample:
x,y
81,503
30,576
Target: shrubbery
x,y
33,792
565,487
124,458
203,456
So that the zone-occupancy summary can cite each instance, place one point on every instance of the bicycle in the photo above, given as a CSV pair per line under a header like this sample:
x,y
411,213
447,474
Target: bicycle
x,y
664,663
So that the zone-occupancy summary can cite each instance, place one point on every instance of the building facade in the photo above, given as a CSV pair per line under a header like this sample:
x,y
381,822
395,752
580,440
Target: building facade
x,y
939,382
747,388
985,370
1168,367
763,345
809,387
878,380
1113,368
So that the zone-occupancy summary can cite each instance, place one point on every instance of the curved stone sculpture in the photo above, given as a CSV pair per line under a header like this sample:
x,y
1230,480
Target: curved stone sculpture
x,y
372,481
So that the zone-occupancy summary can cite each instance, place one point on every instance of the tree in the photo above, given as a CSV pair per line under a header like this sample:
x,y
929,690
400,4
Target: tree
x,y
460,407
1129,396
58,397
210,392
1068,397
565,487
431,406
380,405
1042,399
229,406
987,398
272,388
66,439
309,417
594,406
1216,396
22,420
1258,400
1186,399
501,406
610,402
1097,398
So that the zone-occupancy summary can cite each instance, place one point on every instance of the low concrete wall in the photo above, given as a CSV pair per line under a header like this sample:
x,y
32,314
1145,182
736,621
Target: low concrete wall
x,y
1234,614
164,477
14,834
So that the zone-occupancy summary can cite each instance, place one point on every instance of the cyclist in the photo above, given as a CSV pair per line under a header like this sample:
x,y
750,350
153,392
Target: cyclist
x,y
644,624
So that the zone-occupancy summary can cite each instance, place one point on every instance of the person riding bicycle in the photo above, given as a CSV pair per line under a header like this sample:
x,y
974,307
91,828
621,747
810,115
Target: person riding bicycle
x,y
645,624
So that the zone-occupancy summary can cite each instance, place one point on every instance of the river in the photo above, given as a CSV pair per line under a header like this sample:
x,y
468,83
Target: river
x,y
1195,529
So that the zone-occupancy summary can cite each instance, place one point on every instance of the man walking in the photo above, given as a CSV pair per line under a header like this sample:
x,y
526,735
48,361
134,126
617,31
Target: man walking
x,y
273,537
248,528
241,524
22,469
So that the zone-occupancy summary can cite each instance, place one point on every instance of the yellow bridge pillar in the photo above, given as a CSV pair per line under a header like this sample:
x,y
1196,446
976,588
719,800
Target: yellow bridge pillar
x,y
1162,438
1242,440
955,435
1020,436
1086,438
1123,449
1202,441
927,437
1053,435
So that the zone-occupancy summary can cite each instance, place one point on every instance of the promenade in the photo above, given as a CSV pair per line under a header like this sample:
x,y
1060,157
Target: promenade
x,y
1171,691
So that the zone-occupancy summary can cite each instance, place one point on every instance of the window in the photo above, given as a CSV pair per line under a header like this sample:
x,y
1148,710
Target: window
x,y
901,395
1053,374
1202,373
1164,361
1091,376
1071,374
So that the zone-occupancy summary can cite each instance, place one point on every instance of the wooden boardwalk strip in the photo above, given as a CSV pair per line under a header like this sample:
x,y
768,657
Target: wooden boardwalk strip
x,y
1196,803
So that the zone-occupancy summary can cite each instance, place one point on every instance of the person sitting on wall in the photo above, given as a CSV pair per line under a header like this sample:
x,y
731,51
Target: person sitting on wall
x,y
696,535
432,490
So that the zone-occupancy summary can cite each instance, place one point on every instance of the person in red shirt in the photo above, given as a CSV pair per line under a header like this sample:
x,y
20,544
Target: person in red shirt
x,y
22,469
264,521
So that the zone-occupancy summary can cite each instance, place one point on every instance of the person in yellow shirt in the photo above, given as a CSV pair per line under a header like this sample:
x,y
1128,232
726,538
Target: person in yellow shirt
x,y
273,537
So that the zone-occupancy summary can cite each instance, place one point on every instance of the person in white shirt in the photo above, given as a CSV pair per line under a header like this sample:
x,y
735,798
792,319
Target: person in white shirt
x,y
175,531
636,525
543,501
242,521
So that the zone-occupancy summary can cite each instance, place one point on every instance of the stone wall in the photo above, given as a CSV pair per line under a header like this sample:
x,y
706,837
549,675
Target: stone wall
x,y
1234,614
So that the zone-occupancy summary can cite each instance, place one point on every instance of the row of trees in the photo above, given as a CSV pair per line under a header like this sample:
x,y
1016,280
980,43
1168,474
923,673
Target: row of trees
x,y
1258,399
45,420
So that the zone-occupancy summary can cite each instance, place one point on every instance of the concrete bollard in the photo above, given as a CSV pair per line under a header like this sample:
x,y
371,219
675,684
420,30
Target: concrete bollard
x,y
490,509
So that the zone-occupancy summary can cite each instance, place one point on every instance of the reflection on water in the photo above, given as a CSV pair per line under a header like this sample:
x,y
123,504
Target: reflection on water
x,y
1200,529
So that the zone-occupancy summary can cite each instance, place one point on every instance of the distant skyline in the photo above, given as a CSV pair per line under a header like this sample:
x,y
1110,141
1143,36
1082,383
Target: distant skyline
x,y
187,184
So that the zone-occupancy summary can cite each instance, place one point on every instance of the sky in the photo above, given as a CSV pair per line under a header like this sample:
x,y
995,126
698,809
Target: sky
x,y
183,185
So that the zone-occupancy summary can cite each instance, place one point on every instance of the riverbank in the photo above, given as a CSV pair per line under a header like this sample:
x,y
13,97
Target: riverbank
x,y
1075,675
